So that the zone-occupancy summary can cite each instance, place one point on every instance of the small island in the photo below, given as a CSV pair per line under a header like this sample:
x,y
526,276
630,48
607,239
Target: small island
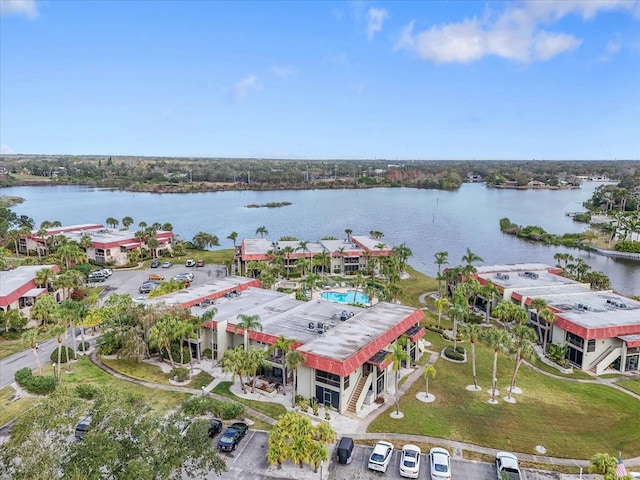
x,y
7,201
269,205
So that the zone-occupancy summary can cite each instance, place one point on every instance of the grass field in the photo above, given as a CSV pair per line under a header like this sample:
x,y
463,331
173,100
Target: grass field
x,y
632,385
570,419
85,372
10,409
273,410
152,373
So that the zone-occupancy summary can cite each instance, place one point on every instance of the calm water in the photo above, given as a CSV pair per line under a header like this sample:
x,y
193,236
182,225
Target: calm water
x,y
348,297
427,221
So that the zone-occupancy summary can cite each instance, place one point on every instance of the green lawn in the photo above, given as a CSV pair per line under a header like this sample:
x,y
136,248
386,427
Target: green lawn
x,y
83,371
571,419
633,385
273,410
415,286
10,409
152,373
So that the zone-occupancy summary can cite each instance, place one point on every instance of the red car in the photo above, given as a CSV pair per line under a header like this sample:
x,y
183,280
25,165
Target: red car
x,y
200,263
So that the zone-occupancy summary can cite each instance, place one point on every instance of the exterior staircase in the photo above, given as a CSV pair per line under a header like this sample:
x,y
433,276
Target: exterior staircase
x,y
355,396
608,356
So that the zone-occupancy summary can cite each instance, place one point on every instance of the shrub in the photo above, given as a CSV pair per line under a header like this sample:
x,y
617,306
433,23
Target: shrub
x,y
83,347
206,353
179,374
11,334
38,385
200,405
108,343
86,391
78,294
63,358
457,354
175,353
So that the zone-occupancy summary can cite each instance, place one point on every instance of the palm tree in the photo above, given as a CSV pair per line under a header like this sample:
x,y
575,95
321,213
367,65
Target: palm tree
x,y
458,312
429,371
522,347
127,222
510,312
233,236
348,232
441,304
604,464
441,259
276,448
397,356
549,317
235,362
30,338
256,358
262,231
248,322
471,332
58,331
317,454
44,309
112,222
341,253
469,258
281,348
538,304
293,360
498,340
44,278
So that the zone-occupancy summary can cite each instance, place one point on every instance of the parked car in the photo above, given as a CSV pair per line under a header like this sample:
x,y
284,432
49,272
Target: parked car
x,y
92,278
507,466
380,458
155,264
410,461
188,276
156,276
99,273
167,264
82,427
215,427
200,263
232,436
106,271
147,287
190,263
345,450
440,463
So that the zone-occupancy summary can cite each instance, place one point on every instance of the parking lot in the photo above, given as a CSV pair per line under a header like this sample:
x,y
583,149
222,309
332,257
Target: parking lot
x,y
129,281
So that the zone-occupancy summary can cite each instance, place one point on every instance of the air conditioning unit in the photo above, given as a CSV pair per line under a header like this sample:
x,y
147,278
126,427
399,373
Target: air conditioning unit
x,y
505,277
312,326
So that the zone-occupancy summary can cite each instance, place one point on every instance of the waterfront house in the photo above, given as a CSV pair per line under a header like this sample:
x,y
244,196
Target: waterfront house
x,y
107,246
19,291
348,256
600,328
345,347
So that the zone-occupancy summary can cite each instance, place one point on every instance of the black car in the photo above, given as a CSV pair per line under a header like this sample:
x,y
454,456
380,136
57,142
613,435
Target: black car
x,y
155,264
215,427
232,436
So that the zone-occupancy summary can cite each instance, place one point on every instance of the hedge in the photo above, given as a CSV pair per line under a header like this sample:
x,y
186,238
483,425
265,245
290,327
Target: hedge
x,y
63,356
38,385
201,405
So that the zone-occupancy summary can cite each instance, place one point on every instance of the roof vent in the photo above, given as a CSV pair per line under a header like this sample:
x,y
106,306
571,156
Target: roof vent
x,y
312,326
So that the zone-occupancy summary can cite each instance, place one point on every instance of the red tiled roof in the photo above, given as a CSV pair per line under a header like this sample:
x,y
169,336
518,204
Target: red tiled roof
x,y
361,356
418,335
633,343
20,291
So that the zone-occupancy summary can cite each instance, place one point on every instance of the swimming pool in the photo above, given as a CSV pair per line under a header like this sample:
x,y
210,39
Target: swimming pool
x,y
351,296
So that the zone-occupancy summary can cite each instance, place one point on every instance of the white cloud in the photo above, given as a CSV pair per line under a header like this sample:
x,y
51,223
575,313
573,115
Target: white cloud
x,y
18,7
375,19
515,34
283,72
6,150
244,86
611,50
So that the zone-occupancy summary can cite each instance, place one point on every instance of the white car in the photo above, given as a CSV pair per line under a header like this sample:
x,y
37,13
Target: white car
x,y
410,461
167,264
106,271
507,466
440,462
381,456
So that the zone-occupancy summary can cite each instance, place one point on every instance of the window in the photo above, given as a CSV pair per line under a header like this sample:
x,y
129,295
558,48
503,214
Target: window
x,y
346,382
575,340
591,346
328,378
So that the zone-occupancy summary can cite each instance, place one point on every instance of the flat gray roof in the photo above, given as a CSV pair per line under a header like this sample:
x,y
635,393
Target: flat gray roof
x,y
514,276
593,309
12,280
282,315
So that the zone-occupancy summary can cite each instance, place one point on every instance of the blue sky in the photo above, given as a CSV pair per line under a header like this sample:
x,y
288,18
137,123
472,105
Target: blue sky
x,y
405,80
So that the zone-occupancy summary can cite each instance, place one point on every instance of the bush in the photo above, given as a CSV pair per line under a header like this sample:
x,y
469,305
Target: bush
x,y
201,405
179,374
206,353
175,353
86,391
11,334
63,357
38,385
457,354
108,343
83,347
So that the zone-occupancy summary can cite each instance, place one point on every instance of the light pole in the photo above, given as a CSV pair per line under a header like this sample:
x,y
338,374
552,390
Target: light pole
x,y
203,390
54,371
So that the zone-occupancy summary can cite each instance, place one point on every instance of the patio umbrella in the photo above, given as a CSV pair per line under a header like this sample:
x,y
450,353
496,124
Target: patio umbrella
x,y
620,470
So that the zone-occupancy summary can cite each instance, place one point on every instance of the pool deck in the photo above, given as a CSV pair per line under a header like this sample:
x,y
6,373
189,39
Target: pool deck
x,y
315,293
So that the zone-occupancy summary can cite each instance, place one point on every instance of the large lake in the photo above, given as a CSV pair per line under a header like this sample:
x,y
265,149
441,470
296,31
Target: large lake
x,y
427,221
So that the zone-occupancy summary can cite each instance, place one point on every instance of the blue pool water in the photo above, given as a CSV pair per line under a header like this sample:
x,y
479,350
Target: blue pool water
x,y
348,297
